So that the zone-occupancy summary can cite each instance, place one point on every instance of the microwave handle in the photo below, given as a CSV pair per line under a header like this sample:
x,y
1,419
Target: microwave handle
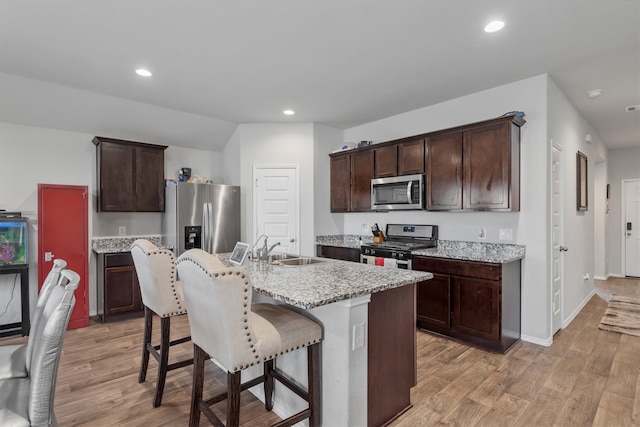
x,y
409,185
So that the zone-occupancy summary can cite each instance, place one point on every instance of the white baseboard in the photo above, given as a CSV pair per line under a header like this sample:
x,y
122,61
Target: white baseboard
x,y
617,275
573,315
538,341
600,277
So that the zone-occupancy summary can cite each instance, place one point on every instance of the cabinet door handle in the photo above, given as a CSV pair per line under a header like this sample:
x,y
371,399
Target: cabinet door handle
x,y
563,249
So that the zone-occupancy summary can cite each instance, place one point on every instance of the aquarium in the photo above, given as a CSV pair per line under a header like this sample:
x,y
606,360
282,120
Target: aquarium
x,y
13,242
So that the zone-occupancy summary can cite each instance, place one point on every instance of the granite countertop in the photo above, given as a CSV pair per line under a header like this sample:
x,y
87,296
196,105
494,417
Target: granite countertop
x,y
324,283
496,253
351,241
116,244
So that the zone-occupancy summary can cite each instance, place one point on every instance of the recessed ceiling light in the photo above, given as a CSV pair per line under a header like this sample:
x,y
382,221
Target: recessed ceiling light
x,y
594,93
289,112
143,72
494,26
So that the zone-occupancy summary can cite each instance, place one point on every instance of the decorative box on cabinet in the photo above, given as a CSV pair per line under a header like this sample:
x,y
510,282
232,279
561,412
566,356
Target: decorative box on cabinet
x,y
118,289
130,176
475,302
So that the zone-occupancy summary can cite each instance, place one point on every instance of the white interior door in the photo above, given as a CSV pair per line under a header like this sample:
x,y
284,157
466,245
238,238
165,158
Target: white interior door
x,y
557,238
276,209
631,226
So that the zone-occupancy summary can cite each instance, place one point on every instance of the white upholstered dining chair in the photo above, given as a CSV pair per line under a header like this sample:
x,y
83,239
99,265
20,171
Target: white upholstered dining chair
x,y
15,358
29,401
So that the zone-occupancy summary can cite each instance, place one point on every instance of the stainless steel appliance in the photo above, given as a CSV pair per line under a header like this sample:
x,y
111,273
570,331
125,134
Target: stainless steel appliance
x,y
205,216
401,240
397,193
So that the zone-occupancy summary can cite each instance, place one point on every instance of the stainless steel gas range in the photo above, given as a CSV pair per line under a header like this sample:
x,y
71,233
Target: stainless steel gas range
x,y
401,240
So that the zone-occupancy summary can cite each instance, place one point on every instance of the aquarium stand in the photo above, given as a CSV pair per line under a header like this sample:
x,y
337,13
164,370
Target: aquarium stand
x,y
23,326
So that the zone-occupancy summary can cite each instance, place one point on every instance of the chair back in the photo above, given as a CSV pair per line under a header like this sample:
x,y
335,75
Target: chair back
x,y
159,287
219,304
49,282
47,347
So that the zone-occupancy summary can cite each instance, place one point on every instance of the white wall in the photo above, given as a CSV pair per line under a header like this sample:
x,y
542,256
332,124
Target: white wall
x,y
278,144
600,238
623,164
231,160
29,156
529,226
325,140
32,155
568,129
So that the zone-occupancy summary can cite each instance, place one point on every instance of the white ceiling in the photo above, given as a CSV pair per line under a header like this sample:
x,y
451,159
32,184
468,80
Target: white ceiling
x,y
69,64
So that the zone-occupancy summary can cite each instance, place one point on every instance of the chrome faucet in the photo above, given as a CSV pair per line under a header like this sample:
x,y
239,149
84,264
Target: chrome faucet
x,y
271,248
262,254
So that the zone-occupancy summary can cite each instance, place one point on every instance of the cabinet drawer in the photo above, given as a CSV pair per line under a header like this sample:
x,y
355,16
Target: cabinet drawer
x,y
118,260
475,269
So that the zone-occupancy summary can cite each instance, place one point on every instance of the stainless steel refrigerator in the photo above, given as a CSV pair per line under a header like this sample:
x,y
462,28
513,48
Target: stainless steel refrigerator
x,y
205,216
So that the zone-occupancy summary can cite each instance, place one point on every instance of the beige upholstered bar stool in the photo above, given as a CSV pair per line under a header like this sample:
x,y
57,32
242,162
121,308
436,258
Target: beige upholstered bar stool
x,y
225,326
161,294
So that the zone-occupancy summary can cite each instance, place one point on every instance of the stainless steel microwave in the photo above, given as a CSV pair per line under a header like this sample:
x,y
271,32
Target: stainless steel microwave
x,y
397,193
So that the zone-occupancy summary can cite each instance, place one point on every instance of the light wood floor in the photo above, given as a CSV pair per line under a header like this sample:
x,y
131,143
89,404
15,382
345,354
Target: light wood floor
x,y
588,377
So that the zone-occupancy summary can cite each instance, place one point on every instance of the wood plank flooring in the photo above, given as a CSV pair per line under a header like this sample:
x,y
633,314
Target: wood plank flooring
x,y
588,377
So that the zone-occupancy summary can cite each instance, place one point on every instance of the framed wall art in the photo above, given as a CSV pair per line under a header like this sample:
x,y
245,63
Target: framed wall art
x,y
582,182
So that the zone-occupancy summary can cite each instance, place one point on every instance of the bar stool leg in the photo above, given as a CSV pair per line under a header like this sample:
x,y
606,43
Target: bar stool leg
x,y
314,378
199,357
146,341
163,363
269,385
233,399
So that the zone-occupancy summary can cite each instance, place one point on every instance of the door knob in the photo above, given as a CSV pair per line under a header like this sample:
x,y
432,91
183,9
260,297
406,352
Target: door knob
x,y
563,249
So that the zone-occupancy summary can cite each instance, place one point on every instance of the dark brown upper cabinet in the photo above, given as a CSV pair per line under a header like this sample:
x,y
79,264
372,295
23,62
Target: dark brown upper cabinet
x,y
361,175
350,184
444,172
491,161
404,158
411,157
130,176
340,179
476,167
386,161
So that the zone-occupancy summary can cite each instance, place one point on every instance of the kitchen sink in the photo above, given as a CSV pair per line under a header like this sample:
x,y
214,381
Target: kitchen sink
x,y
280,256
300,261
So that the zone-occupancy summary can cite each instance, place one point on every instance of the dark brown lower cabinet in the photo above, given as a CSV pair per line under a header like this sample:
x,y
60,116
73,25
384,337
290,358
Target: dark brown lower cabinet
x,y
392,361
336,252
118,289
475,302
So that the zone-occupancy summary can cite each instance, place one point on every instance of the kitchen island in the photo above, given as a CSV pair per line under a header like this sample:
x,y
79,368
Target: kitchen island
x,y
369,336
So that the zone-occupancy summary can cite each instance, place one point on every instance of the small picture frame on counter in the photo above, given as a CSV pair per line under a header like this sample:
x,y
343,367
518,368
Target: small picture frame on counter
x,y
239,253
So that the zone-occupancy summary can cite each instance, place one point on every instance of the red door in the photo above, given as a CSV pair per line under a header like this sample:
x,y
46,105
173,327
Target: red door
x,y
63,233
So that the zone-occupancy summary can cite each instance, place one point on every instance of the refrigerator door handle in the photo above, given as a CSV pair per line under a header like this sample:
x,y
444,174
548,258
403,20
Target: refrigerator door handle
x,y
206,227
